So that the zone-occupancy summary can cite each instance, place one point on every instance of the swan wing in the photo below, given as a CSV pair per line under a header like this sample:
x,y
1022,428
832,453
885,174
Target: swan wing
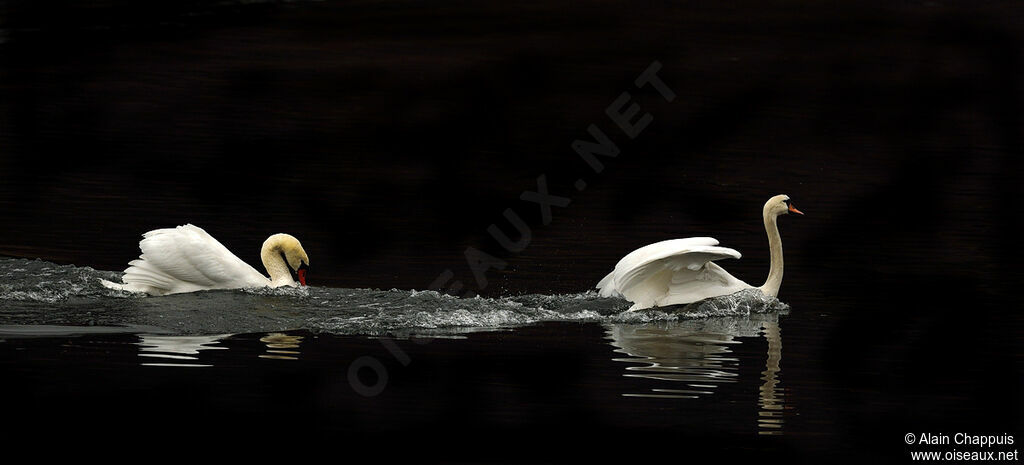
x,y
186,259
672,272
635,266
711,280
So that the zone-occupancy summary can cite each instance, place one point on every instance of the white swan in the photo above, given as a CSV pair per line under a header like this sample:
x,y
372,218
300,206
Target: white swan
x,y
187,259
682,271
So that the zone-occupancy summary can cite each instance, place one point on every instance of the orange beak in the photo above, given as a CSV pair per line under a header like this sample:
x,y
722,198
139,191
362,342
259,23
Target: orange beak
x,y
793,209
302,276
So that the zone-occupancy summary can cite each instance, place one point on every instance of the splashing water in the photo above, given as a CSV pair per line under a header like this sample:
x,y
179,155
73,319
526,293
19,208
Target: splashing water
x,y
36,292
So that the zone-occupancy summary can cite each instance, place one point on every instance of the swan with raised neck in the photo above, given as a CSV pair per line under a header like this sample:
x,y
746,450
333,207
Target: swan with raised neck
x,y
775,206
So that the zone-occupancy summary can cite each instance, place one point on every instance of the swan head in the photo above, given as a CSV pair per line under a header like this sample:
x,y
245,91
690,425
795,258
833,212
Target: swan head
x,y
290,251
779,205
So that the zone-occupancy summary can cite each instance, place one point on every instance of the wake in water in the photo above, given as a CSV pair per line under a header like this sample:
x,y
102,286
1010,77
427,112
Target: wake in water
x,y
36,292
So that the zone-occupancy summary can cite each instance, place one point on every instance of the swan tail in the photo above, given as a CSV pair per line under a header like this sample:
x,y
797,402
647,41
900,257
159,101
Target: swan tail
x,y
142,276
112,285
128,287
605,287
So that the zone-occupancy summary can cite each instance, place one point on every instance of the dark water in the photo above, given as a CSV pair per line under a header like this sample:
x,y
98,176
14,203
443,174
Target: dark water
x,y
528,378
390,136
331,362
464,364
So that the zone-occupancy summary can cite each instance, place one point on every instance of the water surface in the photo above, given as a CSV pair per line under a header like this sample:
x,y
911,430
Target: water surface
x,y
383,360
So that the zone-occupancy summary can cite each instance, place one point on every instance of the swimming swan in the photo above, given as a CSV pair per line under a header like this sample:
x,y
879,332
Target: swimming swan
x,y
682,271
187,259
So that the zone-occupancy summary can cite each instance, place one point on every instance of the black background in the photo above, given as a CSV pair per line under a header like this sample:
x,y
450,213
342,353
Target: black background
x,y
389,136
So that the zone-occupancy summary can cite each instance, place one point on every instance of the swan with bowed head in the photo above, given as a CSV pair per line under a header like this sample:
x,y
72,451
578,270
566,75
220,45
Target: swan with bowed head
x,y
683,271
187,259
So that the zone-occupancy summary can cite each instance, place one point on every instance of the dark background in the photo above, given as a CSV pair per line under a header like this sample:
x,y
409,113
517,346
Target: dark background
x,y
388,136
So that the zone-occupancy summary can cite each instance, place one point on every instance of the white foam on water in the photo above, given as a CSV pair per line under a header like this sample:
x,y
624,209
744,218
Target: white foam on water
x,y
70,295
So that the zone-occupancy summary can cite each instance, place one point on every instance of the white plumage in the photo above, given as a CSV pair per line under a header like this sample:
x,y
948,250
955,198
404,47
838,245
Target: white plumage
x,y
676,271
682,271
188,259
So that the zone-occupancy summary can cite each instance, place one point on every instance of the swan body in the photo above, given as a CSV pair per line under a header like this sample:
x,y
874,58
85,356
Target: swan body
x,y
187,259
682,271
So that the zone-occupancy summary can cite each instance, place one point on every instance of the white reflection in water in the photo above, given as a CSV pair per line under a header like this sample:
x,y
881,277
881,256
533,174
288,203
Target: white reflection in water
x,y
695,357
176,351
281,346
770,397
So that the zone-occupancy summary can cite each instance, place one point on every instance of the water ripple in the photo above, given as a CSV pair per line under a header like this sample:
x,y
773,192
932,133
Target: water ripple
x,y
36,292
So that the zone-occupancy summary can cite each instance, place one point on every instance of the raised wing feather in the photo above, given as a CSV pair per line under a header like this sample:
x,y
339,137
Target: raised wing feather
x,y
186,259
672,272
687,286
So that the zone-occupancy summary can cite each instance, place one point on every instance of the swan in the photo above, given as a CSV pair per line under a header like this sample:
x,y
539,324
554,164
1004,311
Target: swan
x,y
187,259
682,271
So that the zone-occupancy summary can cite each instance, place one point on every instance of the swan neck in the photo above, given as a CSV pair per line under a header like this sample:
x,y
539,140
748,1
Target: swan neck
x,y
774,282
277,268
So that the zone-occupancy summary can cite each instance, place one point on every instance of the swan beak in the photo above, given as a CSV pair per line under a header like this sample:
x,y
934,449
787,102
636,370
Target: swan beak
x,y
302,273
793,209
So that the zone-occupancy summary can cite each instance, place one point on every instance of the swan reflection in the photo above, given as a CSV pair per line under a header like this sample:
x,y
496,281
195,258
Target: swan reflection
x,y
280,346
695,357
770,397
184,351
176,351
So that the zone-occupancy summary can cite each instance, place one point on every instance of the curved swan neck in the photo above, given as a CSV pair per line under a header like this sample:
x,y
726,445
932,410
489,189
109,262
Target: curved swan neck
x,y
277,268
774,281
